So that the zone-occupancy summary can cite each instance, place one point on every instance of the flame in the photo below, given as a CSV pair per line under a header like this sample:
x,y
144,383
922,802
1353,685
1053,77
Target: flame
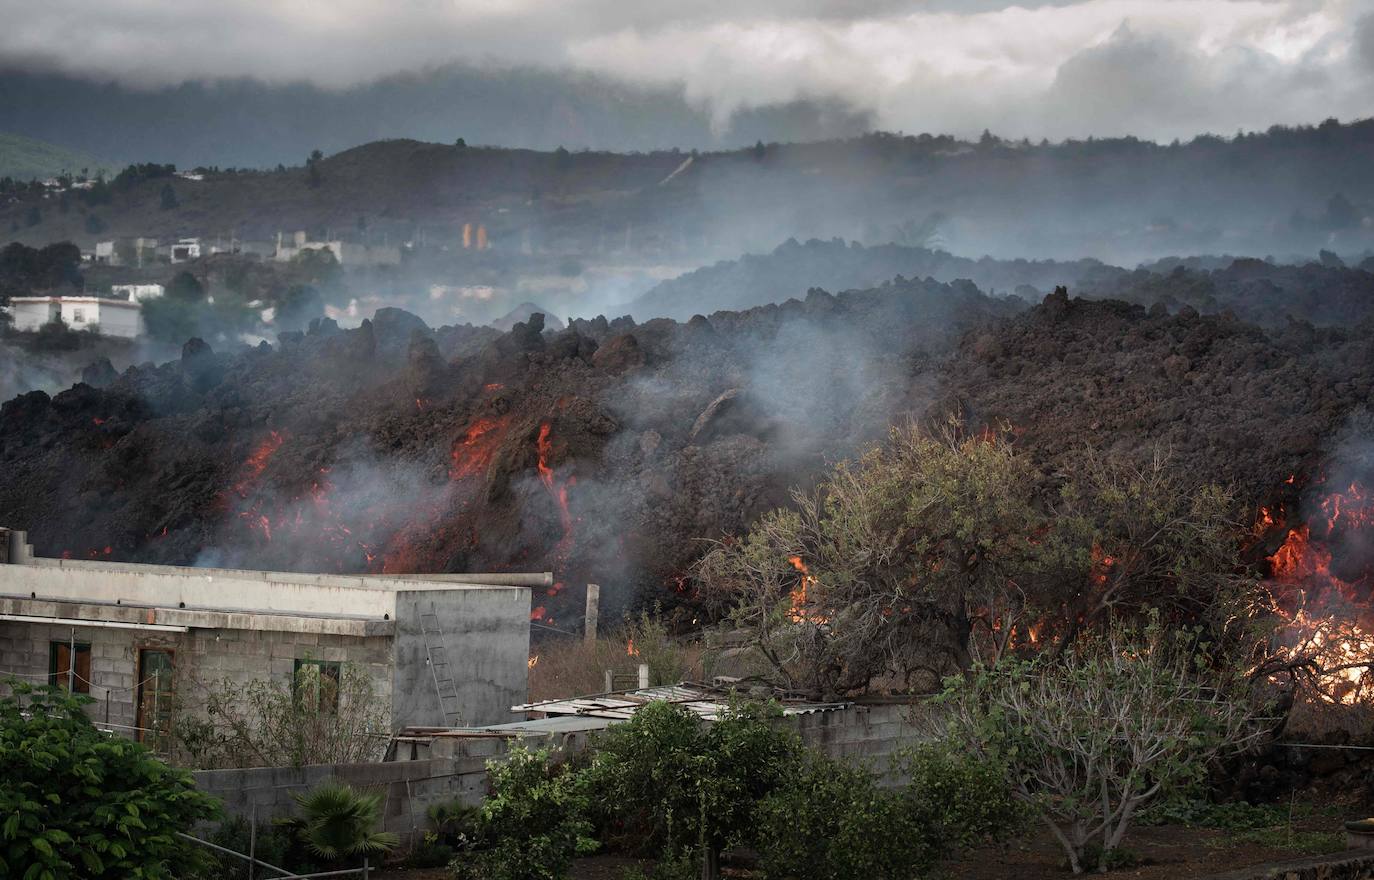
x,y
798,611
538,613
1328,618
97,421
467,236
492,386
533,661
630,649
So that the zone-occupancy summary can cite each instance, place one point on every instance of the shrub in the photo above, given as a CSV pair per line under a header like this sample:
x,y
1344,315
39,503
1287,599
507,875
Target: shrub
x,y
312,719
77,802
271,844
831,821
337,823
533,822
679,788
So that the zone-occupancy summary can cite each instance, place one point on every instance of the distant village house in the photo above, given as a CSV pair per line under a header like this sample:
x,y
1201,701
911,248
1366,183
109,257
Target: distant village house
x,y
109,317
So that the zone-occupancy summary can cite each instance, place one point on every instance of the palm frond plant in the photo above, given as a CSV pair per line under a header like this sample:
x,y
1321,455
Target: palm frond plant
x,y
338,822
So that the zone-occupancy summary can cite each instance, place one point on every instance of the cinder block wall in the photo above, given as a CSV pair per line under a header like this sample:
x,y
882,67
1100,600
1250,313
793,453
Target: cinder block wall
x,y
408,788
201,658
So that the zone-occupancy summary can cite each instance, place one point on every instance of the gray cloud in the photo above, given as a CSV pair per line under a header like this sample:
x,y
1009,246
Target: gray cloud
x,y
1159,68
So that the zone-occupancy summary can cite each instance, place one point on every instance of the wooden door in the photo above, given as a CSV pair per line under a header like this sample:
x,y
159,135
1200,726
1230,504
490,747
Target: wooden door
x,y
155,696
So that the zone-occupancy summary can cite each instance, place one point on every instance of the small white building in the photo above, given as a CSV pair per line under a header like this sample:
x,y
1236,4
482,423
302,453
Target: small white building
x,y
105,251
137,292
185,249
109,317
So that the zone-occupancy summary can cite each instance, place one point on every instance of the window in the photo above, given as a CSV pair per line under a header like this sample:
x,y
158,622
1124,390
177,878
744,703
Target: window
x,y
60,666
78,316
316,683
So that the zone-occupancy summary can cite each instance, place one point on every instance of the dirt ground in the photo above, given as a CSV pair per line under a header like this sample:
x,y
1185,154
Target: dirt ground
x,y
1166,852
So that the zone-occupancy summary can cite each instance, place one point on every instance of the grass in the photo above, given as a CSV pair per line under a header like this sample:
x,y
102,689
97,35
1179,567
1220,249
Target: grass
x,y
27,159
1273,826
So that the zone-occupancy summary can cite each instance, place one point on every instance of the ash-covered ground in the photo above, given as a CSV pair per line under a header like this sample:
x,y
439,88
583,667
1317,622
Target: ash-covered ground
x,y
612,452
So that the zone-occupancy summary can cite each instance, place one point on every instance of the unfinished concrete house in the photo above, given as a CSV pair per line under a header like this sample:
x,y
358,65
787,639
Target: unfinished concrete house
x,y
443,650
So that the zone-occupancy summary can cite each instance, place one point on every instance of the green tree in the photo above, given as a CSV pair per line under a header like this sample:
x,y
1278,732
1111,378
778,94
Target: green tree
x,y
168,197
682,788
312,167
78,803
911,562
831,821
186,287
532,824
1125,716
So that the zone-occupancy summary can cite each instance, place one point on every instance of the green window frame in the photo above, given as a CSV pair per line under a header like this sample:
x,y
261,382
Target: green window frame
x,y
326,695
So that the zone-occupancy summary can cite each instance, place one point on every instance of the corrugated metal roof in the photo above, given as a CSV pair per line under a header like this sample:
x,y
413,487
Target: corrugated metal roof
x,y
705,701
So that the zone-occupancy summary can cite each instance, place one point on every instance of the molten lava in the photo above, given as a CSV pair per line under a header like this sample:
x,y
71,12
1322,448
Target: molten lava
x,y
558,491
257,463
473,453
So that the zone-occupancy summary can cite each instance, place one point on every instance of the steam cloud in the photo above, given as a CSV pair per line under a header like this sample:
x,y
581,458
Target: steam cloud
x,y
1157,68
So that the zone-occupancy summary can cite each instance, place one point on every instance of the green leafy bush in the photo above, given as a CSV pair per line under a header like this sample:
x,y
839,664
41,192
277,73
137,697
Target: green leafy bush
x,y
673,785
77,802
533,822
830,820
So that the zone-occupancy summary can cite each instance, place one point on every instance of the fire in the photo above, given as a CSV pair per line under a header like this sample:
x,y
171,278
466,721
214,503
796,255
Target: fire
x,y
97,421
472,454
1329,620
533,661
538,613
798,611
630,649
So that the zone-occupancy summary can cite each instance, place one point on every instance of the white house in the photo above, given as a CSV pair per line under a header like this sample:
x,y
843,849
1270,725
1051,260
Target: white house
x,y
105,252
109,317
186,249
137,292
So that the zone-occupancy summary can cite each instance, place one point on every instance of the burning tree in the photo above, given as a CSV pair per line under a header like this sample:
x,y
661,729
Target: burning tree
x,y
912,561
945,548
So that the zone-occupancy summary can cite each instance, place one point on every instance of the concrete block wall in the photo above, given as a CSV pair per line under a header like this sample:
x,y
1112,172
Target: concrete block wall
x,y
872,734
408,788
202,659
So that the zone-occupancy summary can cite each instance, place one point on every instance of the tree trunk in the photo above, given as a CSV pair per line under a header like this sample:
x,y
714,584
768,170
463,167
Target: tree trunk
x,y
710,864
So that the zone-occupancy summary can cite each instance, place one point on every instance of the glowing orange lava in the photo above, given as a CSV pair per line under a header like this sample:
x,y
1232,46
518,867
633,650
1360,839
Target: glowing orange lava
x,y
473,453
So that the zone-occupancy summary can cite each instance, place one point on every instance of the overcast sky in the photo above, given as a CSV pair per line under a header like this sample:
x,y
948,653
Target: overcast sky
x,y
1156,68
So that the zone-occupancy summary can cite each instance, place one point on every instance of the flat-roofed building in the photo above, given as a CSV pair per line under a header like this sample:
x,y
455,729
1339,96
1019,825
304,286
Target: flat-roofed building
x,y
440,650
110,317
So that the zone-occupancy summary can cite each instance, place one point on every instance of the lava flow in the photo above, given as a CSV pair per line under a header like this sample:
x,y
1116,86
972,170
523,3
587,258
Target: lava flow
x,y
473,454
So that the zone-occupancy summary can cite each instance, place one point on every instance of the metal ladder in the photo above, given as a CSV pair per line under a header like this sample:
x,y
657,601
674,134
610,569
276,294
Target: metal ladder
x,y
444,687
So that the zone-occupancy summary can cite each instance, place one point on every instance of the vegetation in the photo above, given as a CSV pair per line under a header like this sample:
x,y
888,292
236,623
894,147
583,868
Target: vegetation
x,y
338,823
319,717
941,549
664,784
78,803
24,158
575,667
532,823
1088,739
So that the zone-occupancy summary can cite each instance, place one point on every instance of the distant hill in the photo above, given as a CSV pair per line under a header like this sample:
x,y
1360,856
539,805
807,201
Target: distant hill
x,y
27,159
250,123
1123,201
